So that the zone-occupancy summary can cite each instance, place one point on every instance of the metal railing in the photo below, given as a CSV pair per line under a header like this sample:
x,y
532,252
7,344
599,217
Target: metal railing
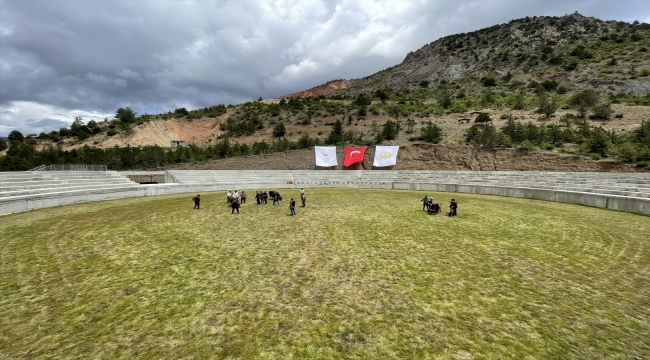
x,y
69,167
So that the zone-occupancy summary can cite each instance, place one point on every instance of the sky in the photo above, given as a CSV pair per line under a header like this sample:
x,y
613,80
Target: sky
x,y
65,58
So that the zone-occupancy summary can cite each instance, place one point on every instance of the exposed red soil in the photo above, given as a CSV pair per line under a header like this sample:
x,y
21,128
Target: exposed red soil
x,y
324,89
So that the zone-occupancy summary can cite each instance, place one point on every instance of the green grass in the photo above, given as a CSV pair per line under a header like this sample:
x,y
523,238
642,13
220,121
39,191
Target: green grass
x,y
357,274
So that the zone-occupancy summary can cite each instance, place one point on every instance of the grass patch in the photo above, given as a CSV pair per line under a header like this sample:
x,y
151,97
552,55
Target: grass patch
x,y
357,274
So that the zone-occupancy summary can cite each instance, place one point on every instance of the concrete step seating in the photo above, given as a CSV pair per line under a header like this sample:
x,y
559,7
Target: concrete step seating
x,y
25,185
628,184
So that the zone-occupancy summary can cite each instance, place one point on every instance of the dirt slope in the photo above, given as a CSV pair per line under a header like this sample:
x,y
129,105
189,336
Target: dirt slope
x,y
425,157
161,133
324,89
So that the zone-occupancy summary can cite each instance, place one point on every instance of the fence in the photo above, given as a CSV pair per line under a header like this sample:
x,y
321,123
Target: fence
x,y
69,167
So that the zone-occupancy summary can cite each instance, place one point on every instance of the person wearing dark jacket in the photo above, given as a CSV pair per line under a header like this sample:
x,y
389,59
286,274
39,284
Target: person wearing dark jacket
x,y
235,206
276,198
292,207
197,201
243,197
453,206
425,203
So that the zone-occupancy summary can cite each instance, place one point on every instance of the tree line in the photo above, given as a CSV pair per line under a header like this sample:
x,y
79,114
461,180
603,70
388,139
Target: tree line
x,y
589,140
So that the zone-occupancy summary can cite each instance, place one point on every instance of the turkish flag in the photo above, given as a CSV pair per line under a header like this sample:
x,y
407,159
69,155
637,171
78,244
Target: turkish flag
x,y
353,155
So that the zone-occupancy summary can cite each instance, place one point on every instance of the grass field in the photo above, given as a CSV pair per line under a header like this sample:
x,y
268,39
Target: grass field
x,y
357,274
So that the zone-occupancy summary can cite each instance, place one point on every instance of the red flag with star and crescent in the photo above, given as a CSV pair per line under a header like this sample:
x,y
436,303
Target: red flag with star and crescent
x,y
353,155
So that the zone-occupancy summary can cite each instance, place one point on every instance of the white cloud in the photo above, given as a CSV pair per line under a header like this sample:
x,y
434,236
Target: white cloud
x,y
30,117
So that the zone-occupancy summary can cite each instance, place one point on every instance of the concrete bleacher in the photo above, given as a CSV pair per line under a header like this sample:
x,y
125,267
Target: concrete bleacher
x,y
630,192
21,191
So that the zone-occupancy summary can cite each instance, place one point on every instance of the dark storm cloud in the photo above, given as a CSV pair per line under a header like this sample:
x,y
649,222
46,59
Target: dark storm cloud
x,y
73,57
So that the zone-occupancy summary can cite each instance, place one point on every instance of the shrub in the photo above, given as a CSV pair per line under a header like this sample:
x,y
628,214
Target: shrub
x,y
546,146
571,65
431,133
389,131
526,145
584,100
488,81
618,116
581,53
549,85
562,89
504,117
602,111
482,118
446,101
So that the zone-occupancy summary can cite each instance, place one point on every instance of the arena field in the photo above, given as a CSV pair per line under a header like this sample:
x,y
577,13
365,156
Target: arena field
x,y
357,274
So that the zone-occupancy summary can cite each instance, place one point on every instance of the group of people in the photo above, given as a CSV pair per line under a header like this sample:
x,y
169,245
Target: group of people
x,y
234,199
432,207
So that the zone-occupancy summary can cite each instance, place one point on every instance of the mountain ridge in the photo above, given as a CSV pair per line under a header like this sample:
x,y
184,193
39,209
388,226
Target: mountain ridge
x,y
537,48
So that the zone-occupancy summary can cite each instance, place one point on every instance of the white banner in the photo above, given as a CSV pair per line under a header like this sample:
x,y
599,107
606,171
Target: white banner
x,y
385,156
326,155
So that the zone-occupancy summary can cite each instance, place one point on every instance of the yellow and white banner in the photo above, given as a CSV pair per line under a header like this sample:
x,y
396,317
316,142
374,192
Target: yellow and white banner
x,y
385,156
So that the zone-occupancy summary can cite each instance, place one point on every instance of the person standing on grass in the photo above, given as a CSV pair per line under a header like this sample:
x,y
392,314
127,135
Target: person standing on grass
x,y
425,203
235,206
276,198
265,198
453,206
243,197
197,201
303,199
292,207
228,197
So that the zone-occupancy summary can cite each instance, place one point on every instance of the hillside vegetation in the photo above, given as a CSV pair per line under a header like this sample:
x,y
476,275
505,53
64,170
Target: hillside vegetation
x,y
571,84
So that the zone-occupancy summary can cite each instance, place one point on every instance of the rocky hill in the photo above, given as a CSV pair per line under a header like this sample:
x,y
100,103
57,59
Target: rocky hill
x,y
574,50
